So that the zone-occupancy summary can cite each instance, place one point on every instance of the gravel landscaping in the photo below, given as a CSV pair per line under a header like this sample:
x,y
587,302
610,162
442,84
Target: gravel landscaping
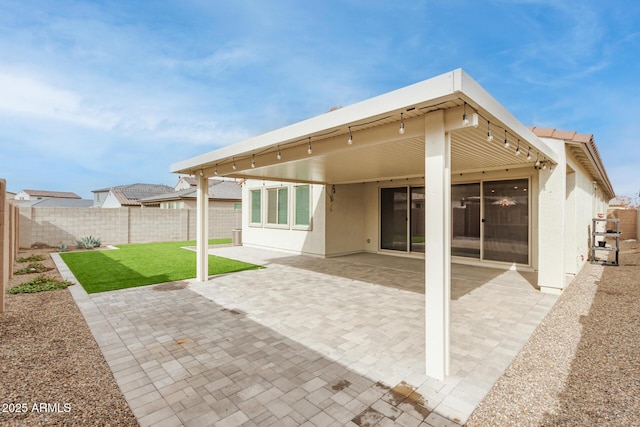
x,y
580,367
582,364
53,372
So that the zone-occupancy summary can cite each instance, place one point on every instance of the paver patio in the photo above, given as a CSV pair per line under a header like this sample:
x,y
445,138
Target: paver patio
x,y
309,340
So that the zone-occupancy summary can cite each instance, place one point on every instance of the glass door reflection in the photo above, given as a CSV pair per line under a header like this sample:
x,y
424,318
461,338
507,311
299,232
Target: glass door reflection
x,y
506,221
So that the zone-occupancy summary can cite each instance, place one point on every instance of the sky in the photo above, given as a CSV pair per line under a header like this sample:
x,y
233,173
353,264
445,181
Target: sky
x,y
95,94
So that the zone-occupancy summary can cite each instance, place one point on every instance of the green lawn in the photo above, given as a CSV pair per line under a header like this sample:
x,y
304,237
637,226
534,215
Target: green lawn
x,y
143,264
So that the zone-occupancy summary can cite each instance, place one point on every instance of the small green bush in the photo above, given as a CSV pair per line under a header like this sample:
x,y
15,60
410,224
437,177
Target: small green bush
x,y
40,284
33,267
88,242
32,258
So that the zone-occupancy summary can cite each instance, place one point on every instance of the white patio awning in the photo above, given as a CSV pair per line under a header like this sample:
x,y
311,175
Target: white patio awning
x,y
378,151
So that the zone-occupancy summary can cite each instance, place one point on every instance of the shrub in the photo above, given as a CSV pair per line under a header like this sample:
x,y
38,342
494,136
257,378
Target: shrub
x,y
88,242
63,247
33,267
40,284
32,258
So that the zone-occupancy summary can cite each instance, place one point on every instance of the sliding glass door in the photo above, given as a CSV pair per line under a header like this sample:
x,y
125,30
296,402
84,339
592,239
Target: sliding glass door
x,y
490,220
402,223
393,218
465,220
506,221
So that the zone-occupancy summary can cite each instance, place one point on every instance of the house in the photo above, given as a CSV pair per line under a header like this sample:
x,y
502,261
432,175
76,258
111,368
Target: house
x,y
44,194
222,194
127,195
437,170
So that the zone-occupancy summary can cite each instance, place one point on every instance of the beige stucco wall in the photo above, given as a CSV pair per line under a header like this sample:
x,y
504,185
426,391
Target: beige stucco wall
x,y
344,220
54,226
288,238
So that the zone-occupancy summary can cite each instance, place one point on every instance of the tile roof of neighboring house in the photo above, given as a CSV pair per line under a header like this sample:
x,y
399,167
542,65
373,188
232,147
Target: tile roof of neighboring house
x,y
157,188
45,193
218,190
595,166
57,202
129,195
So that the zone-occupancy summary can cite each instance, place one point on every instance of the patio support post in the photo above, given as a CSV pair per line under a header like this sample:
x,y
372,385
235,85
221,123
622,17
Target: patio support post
x,y
438,244
551,223
202,229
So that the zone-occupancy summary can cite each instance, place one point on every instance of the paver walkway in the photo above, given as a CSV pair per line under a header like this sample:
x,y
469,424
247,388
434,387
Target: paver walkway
x,y
308,341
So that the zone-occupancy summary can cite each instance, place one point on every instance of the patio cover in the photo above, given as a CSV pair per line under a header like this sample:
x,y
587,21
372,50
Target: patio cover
x,y
436,142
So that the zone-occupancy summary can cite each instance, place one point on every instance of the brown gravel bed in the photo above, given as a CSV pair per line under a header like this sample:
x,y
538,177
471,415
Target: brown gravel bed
x,y
48,358
581,366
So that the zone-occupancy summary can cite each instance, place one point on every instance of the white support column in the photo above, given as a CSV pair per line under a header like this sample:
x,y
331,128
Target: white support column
x,y
438,244
202,229
552,202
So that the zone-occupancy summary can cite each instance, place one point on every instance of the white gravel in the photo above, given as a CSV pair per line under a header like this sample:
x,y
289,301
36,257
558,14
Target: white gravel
x,y
581,366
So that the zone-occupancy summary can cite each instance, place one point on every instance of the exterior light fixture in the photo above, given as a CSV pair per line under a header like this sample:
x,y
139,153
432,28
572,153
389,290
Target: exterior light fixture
x,y
350,140
518,148
401,130
234,164
465,118
537,164
489,133
215,171
529,154
253,161
309,146
506,141
279,156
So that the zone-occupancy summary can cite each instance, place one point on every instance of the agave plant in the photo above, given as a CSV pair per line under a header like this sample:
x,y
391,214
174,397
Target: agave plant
x,y
88,242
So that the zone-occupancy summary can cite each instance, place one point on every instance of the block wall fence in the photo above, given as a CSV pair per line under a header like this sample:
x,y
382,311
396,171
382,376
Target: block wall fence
x,y
54,226
9,219
629,222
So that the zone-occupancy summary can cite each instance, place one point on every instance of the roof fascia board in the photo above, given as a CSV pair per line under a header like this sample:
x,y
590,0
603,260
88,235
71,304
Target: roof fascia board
x,y
436,87
602,176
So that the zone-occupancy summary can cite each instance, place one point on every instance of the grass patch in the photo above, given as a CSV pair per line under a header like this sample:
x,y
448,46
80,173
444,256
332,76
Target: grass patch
x,y
32,258
40,284
143,264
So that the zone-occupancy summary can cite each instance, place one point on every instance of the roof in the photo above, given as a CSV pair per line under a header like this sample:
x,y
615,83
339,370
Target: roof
x,y
57,202
129,195
218,190
317,150
586,152
154,188
46,193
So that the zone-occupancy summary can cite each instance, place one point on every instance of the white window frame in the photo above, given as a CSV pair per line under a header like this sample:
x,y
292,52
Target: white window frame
x,y
266,205
250,210
295,208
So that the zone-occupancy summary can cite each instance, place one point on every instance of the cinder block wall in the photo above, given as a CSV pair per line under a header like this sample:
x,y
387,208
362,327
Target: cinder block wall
x,y
628,222
54,226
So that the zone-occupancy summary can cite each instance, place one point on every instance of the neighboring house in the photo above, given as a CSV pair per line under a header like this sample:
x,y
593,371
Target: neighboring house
x,y
185,182
222,194
127,195
43,194
437,170
10,195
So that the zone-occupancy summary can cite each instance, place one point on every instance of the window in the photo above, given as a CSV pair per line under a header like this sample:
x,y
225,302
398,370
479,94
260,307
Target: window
x,y
278,205
302,213
255,204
